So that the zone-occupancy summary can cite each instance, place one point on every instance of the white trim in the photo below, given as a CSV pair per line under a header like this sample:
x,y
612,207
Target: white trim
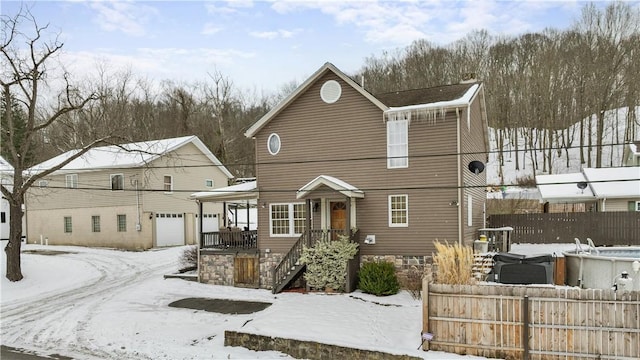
x,y
276,151
291,219
253,130
164,184
637,205
336,184
406,201
469,210
71,181
405,157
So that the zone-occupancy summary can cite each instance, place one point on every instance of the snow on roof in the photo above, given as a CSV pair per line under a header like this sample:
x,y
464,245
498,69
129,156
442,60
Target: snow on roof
x,y
603,183
124,156
5,167
619,182
461,101
333,183
247,190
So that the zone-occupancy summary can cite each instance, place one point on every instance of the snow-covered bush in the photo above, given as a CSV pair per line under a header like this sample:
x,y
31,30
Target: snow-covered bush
x,y
327,263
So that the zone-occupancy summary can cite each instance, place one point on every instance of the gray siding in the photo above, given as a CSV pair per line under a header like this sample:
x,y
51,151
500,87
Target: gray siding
x,y
322,139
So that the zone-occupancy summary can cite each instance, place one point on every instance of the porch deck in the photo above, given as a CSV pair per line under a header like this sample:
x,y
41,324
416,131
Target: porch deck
x,y
229,239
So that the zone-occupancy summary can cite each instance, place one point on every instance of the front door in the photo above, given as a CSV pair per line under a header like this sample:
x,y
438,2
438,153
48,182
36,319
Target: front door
x,y
338,217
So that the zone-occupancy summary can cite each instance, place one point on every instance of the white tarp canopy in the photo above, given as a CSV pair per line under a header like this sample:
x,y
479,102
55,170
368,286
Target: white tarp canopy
x,y
244,191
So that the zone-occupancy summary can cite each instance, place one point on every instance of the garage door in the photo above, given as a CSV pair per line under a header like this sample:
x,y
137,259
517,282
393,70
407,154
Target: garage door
x,y
169,229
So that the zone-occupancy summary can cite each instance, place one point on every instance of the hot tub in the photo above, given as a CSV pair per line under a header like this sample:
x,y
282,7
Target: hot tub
x,y
601,267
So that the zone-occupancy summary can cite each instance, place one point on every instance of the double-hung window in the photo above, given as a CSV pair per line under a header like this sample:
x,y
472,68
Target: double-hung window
x,y
71,181
117,181
67,224
398,211
122,223
287,219
397,141
168,183
95,223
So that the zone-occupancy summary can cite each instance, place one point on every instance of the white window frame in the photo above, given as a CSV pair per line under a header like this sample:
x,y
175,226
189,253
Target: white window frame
x,y
290,218
398,160
391,211
122,217
170,183
637,205
111,181
272,151
68,224
209,183
71,181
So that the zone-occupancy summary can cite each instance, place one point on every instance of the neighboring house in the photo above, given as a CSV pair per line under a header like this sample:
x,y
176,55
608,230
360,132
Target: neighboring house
x,y
390,170
631,154
130,196
6,179
600,189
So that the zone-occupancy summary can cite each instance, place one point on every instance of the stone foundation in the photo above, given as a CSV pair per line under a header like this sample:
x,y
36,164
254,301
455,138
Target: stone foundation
x,y
216,266
406,266
268,262
305,349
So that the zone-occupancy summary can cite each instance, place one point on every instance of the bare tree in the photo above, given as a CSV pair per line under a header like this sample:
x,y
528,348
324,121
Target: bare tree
x,y
25,62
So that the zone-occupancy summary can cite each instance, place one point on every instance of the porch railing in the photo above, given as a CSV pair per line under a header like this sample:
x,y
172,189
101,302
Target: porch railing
x,y
290,265
229,239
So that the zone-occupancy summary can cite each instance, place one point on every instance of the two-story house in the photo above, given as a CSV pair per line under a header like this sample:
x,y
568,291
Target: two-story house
x,y
394,171
129,196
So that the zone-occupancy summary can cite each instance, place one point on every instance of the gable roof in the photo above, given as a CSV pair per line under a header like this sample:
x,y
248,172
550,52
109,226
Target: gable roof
x,y
336,184
327,67
130,155
438,98
602,183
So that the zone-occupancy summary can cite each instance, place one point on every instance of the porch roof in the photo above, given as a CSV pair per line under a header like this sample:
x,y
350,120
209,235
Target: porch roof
x,y
336,184
244,191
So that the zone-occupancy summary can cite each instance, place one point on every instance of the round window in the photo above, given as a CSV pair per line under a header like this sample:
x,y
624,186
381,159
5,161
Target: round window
x,y
273,144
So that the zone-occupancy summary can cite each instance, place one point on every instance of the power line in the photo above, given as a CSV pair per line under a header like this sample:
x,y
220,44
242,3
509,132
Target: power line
x,y
525,149
263,190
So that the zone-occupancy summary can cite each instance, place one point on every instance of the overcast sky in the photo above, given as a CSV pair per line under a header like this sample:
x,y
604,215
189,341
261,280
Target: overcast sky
x,y
261,45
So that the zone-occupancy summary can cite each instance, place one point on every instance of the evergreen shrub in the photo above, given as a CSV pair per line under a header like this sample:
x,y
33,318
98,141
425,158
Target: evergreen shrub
x,y
378,278
327,263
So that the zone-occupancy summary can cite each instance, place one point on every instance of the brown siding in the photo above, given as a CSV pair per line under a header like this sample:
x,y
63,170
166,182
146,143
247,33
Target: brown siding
x,y
320,139
473,147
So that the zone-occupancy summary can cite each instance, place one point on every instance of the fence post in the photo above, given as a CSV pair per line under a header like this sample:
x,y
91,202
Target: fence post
x,y
525,327
426,279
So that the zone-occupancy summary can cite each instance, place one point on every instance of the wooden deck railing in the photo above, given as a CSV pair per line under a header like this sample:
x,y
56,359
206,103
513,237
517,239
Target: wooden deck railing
x,y
229,239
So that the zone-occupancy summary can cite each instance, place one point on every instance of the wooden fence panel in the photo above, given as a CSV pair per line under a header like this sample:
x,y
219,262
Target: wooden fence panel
x,y
562,323
605,228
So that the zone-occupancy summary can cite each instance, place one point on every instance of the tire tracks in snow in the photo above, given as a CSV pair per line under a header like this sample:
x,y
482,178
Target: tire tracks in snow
x,y
59,322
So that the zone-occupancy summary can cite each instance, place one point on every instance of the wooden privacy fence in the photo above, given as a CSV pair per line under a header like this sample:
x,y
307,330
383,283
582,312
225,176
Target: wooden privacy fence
x,y
527,322
605,228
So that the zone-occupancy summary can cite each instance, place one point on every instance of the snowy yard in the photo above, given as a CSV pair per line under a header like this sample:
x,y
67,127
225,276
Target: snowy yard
x,y
109,304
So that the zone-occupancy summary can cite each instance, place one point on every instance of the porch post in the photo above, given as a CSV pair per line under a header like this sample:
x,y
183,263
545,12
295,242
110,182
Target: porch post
x,y
224,214
307,215
235,216
201,221
348,222
248,227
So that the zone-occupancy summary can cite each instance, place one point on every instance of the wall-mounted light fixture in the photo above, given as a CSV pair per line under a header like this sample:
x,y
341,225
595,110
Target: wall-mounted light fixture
x,y
476,167
264,205
150,216
316,206
453,203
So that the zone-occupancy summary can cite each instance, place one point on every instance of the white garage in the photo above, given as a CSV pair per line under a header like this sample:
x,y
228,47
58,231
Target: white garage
x,y
169,229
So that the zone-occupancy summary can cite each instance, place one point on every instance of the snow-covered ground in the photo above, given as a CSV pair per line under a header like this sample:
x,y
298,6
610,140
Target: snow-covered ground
x,y
110,304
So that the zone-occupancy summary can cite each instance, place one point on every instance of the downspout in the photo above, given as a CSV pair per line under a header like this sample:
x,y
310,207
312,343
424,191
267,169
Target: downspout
x,y
459,161
138,223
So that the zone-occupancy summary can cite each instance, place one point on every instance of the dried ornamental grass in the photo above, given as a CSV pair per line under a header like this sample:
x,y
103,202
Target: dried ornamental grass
x,y
454,263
